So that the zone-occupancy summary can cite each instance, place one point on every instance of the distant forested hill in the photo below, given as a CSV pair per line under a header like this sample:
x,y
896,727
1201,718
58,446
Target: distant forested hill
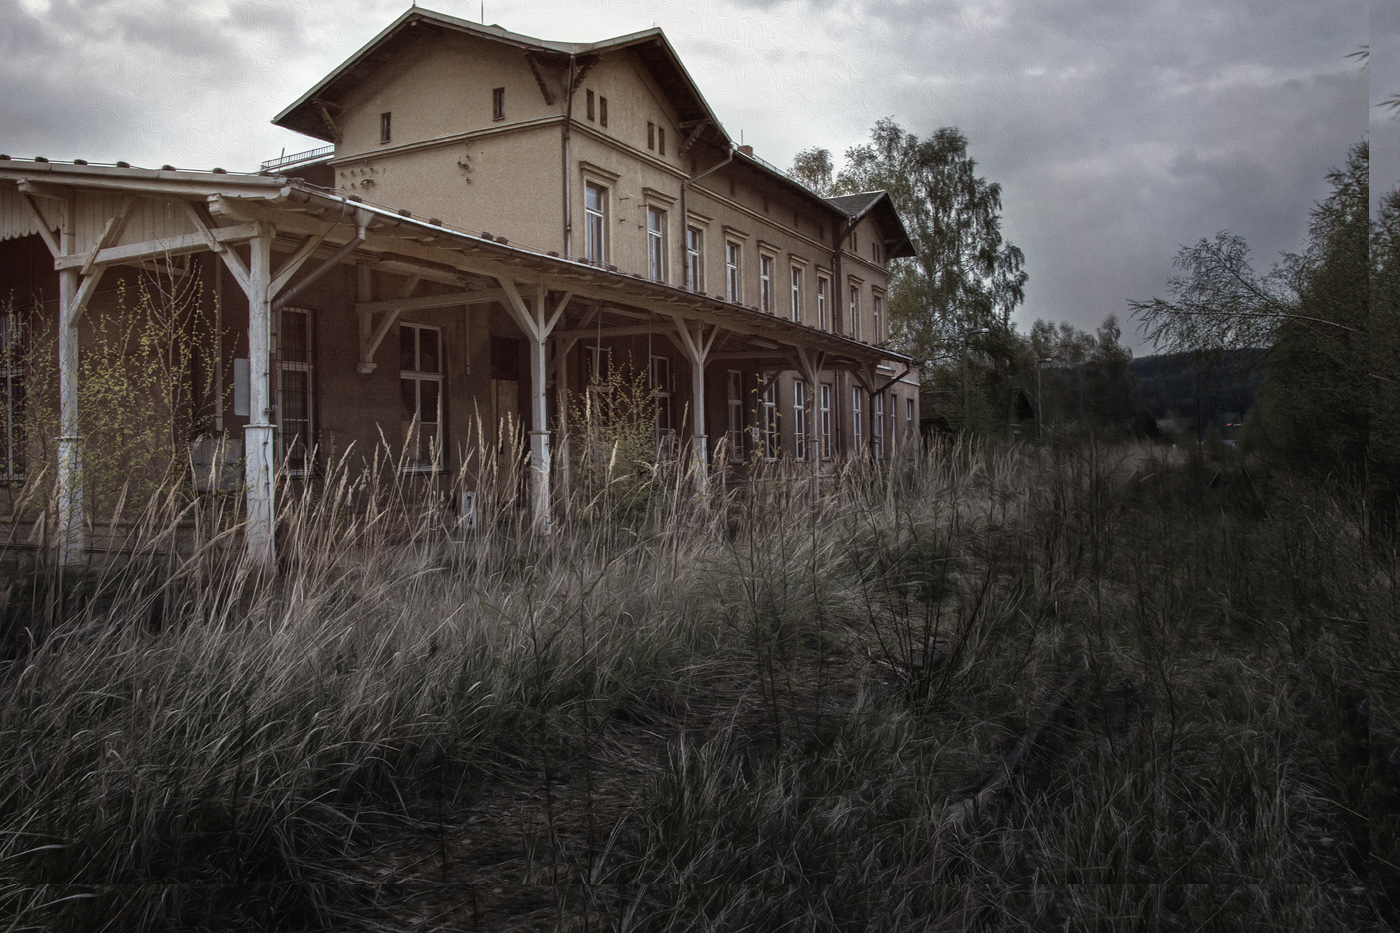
x,y
1168,382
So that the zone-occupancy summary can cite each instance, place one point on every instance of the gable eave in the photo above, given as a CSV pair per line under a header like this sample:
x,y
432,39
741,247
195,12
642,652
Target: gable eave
x,y
651,45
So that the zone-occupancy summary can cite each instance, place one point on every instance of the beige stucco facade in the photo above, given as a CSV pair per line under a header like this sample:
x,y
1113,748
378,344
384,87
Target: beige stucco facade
x,y
498,214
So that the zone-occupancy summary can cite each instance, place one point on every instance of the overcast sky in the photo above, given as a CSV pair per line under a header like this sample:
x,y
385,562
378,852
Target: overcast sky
x,y
1118,131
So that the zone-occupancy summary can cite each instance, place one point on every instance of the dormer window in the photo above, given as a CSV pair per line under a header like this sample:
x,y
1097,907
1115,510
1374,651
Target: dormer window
x,y
498,103
385,127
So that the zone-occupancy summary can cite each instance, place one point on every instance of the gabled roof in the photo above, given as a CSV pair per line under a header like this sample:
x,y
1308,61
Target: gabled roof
x,y
857,206
650,45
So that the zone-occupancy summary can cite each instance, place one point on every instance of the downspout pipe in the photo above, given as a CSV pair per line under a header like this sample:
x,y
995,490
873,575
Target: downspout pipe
x,y
685,201
838,301
567,157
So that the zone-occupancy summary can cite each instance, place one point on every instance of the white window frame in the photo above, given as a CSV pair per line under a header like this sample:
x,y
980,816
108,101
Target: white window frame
x,y
595,224
799,418
909,419
285,368
661,385
823,290
736,416
826,420
797,293
765,283
419,376
877,424
656,244
855,312
732,268
768,420
694,258
877,306
857,429
12,360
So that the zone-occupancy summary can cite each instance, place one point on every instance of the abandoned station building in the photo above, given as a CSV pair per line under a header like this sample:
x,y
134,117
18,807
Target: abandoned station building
x,y
494,224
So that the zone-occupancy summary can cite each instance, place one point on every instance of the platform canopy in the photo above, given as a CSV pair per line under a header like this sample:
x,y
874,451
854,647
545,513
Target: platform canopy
x,y
95,217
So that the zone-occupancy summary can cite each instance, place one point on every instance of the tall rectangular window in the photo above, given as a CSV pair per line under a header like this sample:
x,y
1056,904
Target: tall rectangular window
x,y
651,135
12,396
386,127
736,417
909,419
661,140
694,250
826,421
594,202
656,244
661,395
877,305
799,417
498,103
796,293
877,424
420,382
590,99
857,429
731,269
765,284
822,286
855,311
295,388
769,420
602,110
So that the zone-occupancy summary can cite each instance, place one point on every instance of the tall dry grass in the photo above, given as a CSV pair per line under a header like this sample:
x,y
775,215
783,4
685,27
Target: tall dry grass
x,y
823,683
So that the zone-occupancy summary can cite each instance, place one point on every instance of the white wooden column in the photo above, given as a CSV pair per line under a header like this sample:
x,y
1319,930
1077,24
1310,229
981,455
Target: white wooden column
x,y
694,343
259,446
561,404
72,528
811,363
537,323
78,275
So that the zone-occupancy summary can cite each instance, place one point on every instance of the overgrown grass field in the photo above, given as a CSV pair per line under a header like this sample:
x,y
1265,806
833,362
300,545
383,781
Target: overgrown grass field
x,y
1039,689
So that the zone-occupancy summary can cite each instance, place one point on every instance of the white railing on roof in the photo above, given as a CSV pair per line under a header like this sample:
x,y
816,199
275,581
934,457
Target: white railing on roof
x,y
297,158
770,166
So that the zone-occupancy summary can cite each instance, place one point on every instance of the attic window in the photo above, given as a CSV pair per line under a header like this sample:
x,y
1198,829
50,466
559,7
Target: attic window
x,y
602,110
661,140
651,135
498,103
590,105
384,127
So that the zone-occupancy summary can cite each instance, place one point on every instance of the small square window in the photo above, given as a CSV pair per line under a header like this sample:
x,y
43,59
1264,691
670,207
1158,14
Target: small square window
x,y
590,105
385,127
602,110
498,103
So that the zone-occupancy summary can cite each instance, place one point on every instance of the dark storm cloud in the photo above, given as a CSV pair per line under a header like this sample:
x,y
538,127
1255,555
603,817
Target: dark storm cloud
x,y
1118,131
150,80
1121,131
